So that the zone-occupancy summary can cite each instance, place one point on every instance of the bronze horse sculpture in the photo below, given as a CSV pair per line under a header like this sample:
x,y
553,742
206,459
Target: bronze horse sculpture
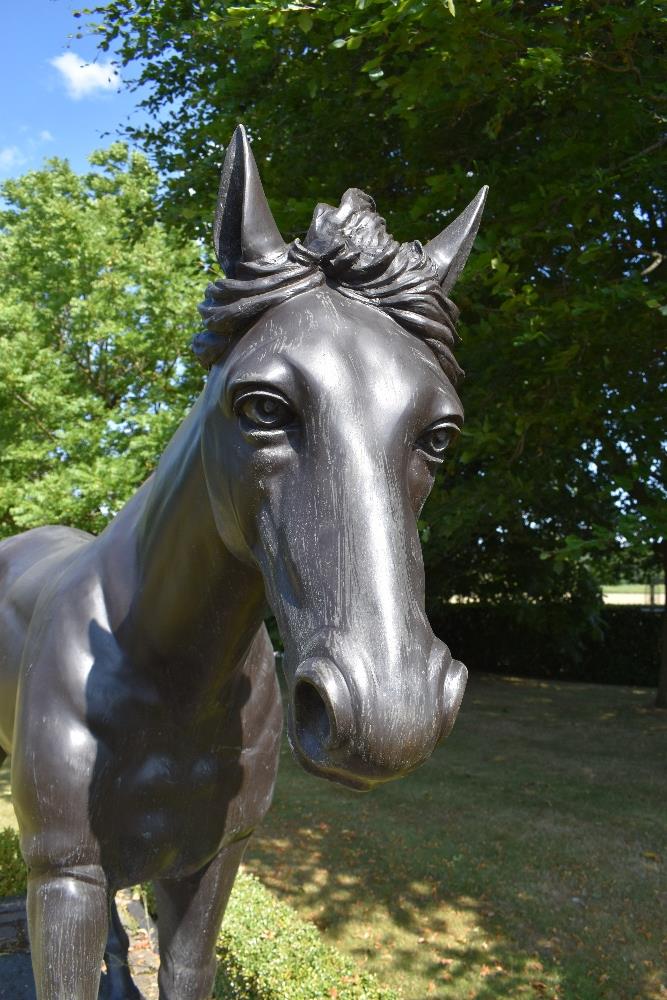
x,y
138,695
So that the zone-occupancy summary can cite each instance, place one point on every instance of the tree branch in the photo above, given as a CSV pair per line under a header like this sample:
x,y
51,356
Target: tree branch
x,y
642,152
33,409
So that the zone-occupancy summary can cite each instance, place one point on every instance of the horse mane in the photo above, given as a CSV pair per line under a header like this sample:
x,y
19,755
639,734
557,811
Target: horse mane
x,y
349,249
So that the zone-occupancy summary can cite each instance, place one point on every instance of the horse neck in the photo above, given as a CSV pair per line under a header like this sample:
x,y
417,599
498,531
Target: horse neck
x,y
194,601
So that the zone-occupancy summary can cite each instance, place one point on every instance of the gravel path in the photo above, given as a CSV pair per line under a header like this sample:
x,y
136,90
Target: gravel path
x,y
143,957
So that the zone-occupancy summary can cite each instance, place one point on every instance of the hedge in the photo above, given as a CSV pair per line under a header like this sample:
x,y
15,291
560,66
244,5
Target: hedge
x,y
265,951
13,874
268,953
620,646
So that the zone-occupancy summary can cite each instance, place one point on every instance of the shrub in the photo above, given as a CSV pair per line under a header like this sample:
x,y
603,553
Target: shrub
x,y
268,953
621,646
13,874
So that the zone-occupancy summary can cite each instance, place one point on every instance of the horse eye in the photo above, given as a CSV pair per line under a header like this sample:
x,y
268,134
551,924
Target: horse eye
x,y
264,411
436,440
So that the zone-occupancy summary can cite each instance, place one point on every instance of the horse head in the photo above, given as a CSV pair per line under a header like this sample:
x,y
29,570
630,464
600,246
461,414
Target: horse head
x,y
329,406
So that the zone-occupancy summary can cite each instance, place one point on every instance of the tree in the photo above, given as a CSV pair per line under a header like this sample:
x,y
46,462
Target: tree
x,y
560,108
97,305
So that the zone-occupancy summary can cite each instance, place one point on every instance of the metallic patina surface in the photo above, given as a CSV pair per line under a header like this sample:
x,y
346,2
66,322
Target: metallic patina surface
x,y
138,695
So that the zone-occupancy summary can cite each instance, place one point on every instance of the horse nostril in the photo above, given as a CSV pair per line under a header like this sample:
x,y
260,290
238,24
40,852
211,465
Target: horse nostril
x,y
322,708
312,716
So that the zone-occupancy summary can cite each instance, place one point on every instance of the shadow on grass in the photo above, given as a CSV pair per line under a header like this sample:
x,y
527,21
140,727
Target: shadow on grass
x,y
526,859
523,860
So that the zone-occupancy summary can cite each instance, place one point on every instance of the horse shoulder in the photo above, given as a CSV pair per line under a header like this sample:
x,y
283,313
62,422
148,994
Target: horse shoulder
x,y
27,563
262,725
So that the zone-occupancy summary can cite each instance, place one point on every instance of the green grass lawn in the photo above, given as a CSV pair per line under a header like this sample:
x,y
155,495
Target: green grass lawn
x,y
526,859
635,588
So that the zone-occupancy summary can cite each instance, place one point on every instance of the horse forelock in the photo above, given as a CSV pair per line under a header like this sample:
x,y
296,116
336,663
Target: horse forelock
x,y
349,249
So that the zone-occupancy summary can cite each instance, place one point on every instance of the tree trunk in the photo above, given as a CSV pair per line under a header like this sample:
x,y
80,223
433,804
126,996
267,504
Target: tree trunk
x,y
661,697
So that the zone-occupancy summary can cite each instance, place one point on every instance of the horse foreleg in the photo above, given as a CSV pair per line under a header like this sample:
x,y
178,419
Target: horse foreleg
x,y
190,912
68,920
117,983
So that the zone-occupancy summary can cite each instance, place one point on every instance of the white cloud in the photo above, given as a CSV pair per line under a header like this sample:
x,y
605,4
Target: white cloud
x,y
85,78
10,158
45,135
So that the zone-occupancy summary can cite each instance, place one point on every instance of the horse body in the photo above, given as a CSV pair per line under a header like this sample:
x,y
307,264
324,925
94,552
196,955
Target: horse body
x,y
147,712
145,746
136,736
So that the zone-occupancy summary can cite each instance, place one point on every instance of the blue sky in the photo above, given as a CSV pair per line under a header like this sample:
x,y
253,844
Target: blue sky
x,y
59,96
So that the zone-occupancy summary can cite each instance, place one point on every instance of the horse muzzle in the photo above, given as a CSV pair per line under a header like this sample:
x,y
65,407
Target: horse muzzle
x,y
360,742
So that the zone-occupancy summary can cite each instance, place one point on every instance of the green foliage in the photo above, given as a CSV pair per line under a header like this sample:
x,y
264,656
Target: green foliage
x,y
617,645
97,305
560,108
268,953
148,898
13,874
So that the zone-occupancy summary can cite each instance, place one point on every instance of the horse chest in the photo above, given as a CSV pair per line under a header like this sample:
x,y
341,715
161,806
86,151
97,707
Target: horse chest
x,y
163,778
168,812
177,783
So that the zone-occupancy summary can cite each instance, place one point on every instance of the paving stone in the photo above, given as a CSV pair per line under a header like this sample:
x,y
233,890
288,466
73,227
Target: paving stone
x,y
16,979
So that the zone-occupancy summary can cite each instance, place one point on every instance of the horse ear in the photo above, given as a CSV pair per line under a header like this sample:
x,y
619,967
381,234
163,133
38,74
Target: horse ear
x,y
244,228
450,250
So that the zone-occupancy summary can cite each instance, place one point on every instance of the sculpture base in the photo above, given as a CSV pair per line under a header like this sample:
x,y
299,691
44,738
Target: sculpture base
x,y
16,978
